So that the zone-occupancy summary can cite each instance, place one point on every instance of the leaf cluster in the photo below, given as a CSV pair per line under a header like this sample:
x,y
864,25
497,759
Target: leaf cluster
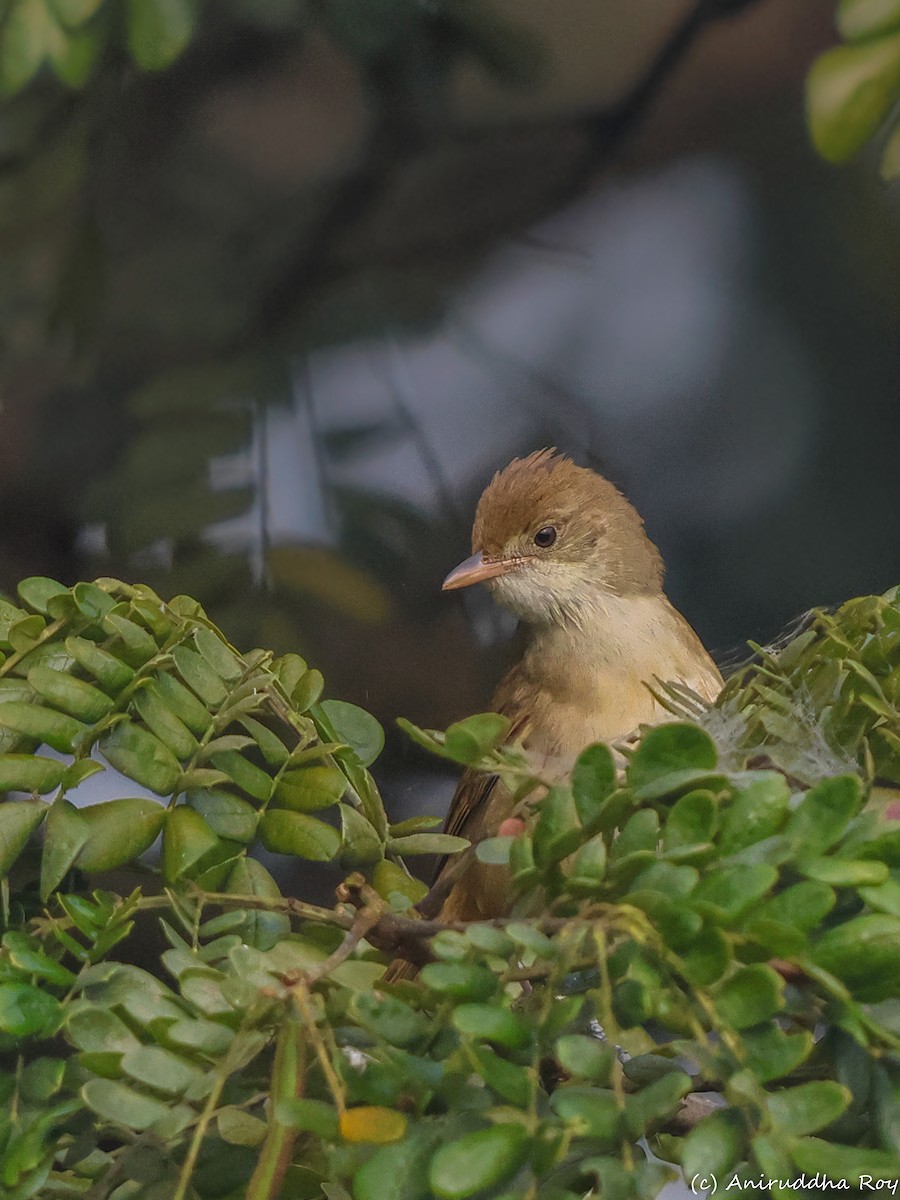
x,y
702,954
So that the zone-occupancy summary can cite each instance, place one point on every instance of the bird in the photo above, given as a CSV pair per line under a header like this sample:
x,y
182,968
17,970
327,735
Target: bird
x,y
565,551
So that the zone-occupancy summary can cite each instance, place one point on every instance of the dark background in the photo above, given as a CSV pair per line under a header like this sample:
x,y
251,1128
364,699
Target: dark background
x,y
270,319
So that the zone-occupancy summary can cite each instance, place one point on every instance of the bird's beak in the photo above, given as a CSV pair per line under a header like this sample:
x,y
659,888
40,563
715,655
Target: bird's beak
x,y
475,570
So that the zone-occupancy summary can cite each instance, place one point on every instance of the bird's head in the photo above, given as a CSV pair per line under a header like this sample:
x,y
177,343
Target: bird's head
x,y
551,538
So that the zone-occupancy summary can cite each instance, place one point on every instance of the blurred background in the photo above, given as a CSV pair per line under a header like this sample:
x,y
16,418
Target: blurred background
x,y
274,308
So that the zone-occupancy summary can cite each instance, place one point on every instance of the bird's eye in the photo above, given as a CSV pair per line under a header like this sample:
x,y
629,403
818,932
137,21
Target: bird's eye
x,y
545,537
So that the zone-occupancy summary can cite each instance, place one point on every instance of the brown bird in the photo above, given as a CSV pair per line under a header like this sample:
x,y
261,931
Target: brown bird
x,y
564,550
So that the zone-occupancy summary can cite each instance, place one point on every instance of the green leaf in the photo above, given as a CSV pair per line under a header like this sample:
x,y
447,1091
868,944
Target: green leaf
x,y
750,996
65,832
864,953
398,1171
122,1105
119,831
706,959
159,31
271,747
142,757
44,724
470,740
885,897
772,1054
18,820
138,646
805,905
391,882
491,1024
730,891
26,957
71,695
303,836
588,866
758,811
824,813
218,654
27,1011
800,1110
308,789
260,929
558,830
23,636
585,1057
656,1102
428,843
73,13
357,728
186,840
182,702
850,1163
307,690
227,815
844,872
239,1128
592,1112
593,782
715,1145
38,590
478,1161
30,773
861,19
243,774
691,820
669,758
200,677
494,851
462,981
109,671
160,1069
360,844
93,1028
163,723
849,93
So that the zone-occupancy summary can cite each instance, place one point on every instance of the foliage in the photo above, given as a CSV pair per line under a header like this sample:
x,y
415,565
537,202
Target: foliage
x,y
703,950
853,89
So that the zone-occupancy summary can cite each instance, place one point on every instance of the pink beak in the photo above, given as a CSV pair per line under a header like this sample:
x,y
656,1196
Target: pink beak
x,y
475,570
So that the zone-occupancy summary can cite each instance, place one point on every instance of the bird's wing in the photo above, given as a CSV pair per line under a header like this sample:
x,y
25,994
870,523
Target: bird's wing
x,y
473,794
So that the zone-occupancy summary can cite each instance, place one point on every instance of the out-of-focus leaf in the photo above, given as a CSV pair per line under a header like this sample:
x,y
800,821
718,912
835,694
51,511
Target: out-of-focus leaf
x,y
864,953
477,1161
849,92
121,1104
861,19
159,30
26,1010
750,996
318,572
800,1110
372,1124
